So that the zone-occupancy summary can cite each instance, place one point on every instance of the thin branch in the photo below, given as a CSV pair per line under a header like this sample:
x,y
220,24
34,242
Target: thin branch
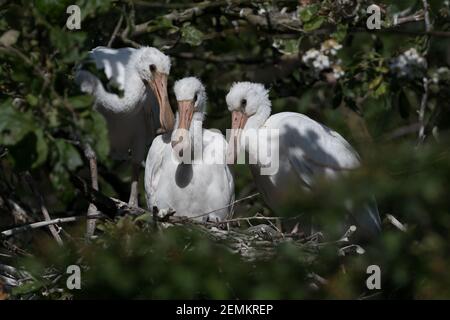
x,y
423,103
402,18
116,30
402,131
394,221
426,8
89,153
423,106
228,206
46,223
45,213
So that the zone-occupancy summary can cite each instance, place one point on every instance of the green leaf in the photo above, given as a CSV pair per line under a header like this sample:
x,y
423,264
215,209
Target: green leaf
x,y
191,35
81,102
375,82
27,142
313,24
287,46
25,153
164,23
68,44
146,217
41,149
381,90
97,134
14,124
68,155
306,13
27,287
340,33
32,100
61,182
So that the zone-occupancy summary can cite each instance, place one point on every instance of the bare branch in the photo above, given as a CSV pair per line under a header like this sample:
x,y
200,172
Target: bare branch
x,y
116,30
423,105
89,153
394,221
46,223
45,213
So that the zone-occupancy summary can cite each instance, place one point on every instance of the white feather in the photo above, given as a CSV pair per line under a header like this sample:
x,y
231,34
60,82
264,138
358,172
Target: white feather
x,y
307,150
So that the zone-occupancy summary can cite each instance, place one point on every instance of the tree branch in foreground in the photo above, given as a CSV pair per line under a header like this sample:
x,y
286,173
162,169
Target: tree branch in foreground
x,y
55,233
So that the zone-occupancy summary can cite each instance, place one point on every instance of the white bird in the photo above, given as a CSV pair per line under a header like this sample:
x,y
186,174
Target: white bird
x,y
186,171
133,118
303,149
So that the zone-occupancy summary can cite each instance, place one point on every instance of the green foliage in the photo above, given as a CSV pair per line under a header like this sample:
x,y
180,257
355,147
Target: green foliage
x,y
191,35
364,92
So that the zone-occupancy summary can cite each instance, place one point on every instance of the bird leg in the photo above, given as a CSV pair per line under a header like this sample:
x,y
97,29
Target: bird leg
x,y
134,193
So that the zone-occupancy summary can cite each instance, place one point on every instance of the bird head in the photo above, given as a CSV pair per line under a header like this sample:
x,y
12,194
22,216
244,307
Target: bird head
x,y
191,98
153,67
247,102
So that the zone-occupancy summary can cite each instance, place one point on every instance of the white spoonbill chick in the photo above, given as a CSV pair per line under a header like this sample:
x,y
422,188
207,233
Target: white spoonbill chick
x,y
135,117
305,151
186,170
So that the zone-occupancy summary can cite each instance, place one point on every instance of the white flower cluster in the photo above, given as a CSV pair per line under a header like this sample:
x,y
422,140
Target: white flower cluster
x,y
325,58
330,47
314,58
409,64
442,73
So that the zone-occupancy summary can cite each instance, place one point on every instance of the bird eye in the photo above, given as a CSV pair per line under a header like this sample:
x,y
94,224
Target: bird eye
x,y
243,102
152,68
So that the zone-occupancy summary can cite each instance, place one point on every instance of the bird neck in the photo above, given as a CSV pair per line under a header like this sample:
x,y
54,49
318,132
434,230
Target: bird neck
x,y
134,88
195,133
257,120
250,137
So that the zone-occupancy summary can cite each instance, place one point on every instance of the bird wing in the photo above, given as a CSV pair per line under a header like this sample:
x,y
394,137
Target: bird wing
x,y
153,166
113,62
314,149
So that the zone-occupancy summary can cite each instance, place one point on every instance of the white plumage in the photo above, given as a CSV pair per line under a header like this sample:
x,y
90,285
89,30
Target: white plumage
x,y
306,151
186,170
133,118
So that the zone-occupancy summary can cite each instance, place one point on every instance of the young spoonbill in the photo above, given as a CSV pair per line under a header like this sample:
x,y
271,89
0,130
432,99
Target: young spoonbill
x,y
303,149
133,118
186,171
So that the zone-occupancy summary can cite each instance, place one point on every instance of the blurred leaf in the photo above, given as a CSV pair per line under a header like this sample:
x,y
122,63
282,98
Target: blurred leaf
x,y
14,124
68,155
191,35
313,24
25,152
41,149
308,12
9,38
32,100
27,287
81,102
287,46
340,33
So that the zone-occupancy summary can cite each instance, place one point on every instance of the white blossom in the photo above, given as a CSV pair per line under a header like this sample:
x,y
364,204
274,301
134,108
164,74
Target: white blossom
x,y
330,47
310,55
324,59
408,64
338,72
322,62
